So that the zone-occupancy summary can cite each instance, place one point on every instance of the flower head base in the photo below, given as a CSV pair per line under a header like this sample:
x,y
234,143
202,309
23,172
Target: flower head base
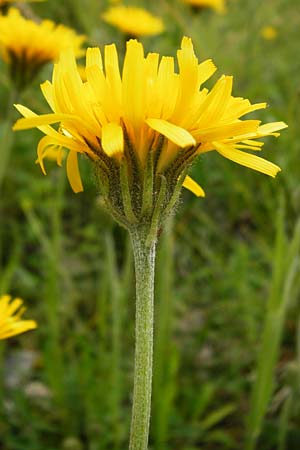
x,y
133,22
26,45
10,317
142,130
218,5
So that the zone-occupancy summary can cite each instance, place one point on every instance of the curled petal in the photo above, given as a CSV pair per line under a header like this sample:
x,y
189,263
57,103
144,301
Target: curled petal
x,y
194,187
73,172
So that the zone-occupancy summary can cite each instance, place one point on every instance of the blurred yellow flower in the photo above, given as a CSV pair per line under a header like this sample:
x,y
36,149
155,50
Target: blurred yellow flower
x,y
26,45
218,5
150,109
269,33
10,317
133,21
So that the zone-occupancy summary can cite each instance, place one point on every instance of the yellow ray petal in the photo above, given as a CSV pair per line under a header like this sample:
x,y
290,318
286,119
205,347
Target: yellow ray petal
x,y
216,101
73,172
96,80
176,134
27,113
226,131
44,143
192,186
14,306
10,317
57,138
5,299
165,86
248,160
188,78
134,83
270,128
48,92
205,70
112,70
93,57
112,139
18,328
39,121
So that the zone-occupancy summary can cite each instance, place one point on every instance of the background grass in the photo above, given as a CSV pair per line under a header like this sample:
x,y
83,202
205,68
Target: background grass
x,y
227,340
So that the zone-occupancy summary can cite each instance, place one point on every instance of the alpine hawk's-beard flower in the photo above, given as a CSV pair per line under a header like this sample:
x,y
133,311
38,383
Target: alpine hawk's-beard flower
x,y
218,5
10,317
143,130
133,21
26,46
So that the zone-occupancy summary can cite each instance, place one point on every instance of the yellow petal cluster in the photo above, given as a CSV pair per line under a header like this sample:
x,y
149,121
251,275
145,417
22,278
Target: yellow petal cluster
x,y
148,102
133,21
218,5
34,43
11,322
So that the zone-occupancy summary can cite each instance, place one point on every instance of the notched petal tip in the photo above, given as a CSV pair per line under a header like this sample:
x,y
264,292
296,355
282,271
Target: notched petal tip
x,y
186,43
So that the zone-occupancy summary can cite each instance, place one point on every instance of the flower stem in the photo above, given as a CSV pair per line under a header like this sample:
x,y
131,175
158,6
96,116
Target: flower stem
x,y
144,259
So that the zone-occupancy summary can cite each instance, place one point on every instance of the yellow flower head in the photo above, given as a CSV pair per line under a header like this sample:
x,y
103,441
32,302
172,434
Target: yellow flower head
x,y
133,21
218,5
10,317
149,119
269,33
26,45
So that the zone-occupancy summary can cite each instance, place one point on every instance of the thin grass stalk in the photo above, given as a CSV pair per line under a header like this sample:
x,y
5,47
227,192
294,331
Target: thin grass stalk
x,y
7,140
8,272
298,349
97,405
286,267
52,253
53,294
283,423
115,373
2,359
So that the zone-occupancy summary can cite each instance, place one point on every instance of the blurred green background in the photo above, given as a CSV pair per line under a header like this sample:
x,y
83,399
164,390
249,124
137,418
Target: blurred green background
x,y
227,336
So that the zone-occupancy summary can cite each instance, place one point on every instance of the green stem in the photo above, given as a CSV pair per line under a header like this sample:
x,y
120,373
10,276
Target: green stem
x,y
144,259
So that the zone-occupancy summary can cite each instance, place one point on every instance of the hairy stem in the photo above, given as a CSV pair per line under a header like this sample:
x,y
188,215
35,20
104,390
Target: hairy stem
x,y
144,259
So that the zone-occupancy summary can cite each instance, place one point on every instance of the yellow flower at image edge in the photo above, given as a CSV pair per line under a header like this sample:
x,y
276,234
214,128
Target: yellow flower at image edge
x,y
133,21
149,110
218,5
11,323
26,45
